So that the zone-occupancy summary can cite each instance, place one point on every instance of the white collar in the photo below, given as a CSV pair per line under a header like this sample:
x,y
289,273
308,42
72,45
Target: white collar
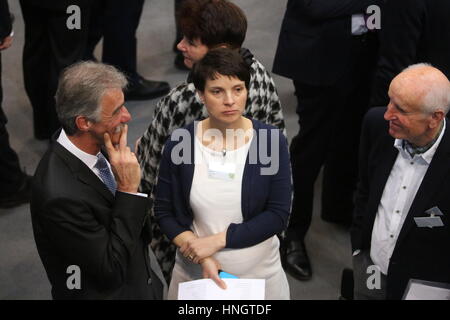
x,y
88,159
428,155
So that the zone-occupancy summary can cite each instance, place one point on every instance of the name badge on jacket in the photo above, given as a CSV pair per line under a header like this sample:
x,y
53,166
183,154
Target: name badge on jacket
x,y
219,171
434,220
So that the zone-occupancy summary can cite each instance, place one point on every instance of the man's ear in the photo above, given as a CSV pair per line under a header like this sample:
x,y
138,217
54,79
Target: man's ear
x,y
83,123
437,117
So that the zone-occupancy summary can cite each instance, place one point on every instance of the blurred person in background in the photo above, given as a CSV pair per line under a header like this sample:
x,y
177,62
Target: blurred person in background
x,y
412,31
116,21
326,48
15,185
49,47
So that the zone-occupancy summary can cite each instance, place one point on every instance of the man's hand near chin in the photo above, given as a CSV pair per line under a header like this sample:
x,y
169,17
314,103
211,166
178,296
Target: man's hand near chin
x,y
123,163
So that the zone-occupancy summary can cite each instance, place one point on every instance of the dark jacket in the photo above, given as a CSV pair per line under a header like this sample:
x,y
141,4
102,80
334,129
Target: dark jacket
x,y
56,4
77,221
315,46
265,199
5,20
413,31
420,253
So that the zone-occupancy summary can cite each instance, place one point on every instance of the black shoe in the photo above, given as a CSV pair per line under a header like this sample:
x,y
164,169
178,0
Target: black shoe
x,y
21,196
297,261
179,62
143,89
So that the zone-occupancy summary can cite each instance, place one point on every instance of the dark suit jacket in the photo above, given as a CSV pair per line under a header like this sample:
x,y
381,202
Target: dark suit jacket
x,y
412,31
420,253
56,4
314,46
5,20
77,221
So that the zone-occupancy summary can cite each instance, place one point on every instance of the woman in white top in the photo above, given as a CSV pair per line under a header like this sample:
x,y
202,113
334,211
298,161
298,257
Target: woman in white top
x,y
224,193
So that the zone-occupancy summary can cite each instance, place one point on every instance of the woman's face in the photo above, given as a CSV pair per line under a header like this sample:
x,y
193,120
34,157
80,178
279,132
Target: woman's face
x,y
192,50
225,98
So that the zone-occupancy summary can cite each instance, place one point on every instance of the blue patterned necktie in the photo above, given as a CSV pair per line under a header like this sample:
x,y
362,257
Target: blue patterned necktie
x,y
105,173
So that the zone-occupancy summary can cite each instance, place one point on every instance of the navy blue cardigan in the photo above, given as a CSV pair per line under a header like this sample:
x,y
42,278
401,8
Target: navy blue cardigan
x,y
266,199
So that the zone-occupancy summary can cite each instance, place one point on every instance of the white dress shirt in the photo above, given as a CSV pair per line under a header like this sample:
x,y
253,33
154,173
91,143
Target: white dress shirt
x,y
88,159
399,192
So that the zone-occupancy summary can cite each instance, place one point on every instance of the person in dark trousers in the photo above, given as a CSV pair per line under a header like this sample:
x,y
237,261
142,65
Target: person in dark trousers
x,y
117,21
50,46
15,185
413,31
327,50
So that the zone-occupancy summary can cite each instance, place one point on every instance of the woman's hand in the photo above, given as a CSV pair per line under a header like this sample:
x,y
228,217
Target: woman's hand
x,y
211,268
199,248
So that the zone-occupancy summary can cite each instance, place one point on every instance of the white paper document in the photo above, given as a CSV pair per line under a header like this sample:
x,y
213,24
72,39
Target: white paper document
x,y
237,289
426,290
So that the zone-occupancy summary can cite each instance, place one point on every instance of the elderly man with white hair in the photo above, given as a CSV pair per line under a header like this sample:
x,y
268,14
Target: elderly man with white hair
x,y
401,227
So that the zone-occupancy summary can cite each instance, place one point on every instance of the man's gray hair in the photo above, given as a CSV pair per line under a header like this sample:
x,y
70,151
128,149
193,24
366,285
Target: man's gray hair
x,y
80,90
438,91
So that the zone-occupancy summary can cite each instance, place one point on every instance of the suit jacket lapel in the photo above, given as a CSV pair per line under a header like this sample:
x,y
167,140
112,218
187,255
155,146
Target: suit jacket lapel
x,y
436,174
82,172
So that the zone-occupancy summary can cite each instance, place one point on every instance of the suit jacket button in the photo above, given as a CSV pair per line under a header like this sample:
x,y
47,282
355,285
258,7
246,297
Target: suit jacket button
x,y
149,281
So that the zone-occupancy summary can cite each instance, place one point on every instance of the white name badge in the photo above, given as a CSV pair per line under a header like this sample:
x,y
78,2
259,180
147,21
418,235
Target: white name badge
x,y
430,222
222,171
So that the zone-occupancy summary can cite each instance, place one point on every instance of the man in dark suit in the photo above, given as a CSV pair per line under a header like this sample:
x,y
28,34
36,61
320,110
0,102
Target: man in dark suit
x,y
402,206
14,183
117,21
412,31
50,46
89,222
328,51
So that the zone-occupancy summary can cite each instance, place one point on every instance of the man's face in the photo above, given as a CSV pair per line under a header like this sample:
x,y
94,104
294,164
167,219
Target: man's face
x,y
407,119
113,116
192,50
